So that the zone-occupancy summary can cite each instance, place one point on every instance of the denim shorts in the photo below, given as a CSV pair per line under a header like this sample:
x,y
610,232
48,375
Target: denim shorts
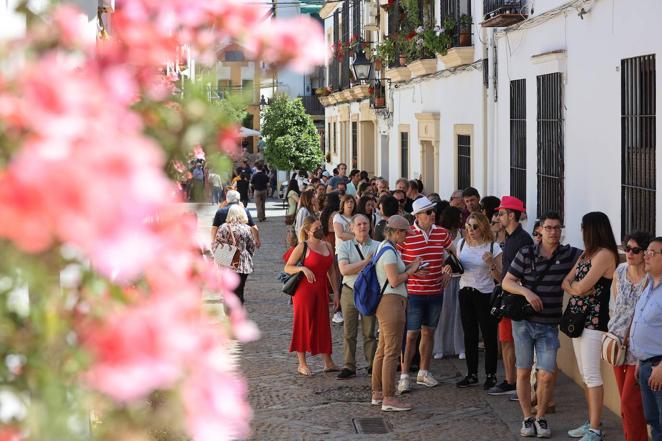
x,y
423,310
544,339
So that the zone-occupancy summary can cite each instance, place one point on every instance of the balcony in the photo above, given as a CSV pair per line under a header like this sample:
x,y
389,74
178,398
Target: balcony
x,y
312,105
502,13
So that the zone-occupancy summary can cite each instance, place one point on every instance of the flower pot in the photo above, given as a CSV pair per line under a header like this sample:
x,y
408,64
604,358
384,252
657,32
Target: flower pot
x,y
380,101
402,60
422,67
378,64
465,38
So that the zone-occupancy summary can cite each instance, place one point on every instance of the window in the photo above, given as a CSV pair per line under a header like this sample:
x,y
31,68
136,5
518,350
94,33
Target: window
x,y
455,10
247,85
344,64
234,56
335,140
638,144
404,154
518,139
550,144
355,142
463,161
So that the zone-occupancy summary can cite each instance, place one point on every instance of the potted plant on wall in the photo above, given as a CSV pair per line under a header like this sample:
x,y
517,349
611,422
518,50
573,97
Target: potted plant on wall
x,y
378,94
465,30
385,51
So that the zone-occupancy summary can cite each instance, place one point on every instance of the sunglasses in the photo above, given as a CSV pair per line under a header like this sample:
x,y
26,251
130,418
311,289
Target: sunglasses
x,y
471,226
634,250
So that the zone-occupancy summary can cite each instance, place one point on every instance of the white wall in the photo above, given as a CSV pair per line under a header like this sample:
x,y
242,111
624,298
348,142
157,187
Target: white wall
x,y
594,48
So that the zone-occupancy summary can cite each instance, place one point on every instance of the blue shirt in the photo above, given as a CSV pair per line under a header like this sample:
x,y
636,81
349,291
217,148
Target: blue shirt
x,y
646,329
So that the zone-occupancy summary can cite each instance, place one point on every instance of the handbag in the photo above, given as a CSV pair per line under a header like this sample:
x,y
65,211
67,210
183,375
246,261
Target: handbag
x,y
613,349
515,306
227,255
454,263
292,282
572,321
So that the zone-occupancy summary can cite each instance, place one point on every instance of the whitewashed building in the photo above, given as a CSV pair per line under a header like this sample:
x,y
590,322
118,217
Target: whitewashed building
x,y
552,101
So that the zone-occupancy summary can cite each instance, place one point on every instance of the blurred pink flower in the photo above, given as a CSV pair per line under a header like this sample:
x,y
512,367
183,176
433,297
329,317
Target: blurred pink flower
x,y
215,402
227,140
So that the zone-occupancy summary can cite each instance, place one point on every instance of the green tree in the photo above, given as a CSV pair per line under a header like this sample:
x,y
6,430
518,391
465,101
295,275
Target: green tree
x,y
293,142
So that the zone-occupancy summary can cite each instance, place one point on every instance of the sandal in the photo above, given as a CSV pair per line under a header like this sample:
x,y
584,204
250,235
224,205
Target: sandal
x,y
333,368
305,372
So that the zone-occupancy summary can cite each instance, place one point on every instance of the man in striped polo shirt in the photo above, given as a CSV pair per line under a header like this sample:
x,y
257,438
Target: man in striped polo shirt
x,y
425,288
537,273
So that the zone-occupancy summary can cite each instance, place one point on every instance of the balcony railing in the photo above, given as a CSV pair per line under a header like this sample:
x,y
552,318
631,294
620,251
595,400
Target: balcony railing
x,y
501,13
312,105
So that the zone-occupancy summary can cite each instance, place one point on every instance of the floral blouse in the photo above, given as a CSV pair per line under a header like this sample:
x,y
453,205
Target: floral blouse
x,y
621,310
595,304
243,237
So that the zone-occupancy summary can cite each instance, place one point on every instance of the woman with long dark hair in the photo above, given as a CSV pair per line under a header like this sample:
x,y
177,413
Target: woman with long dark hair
x,y
589,285
331,207
629,283
367,206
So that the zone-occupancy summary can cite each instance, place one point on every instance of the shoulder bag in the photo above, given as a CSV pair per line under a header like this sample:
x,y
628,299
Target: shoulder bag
x,y
227,255
573,320
454,262
292,282
515,306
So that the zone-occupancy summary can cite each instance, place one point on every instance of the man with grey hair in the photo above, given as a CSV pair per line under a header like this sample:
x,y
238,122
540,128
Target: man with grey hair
x,y
233,197
353,256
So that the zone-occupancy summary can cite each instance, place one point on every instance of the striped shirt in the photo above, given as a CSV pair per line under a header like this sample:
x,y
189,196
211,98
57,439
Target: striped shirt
x,y
528,266
430,248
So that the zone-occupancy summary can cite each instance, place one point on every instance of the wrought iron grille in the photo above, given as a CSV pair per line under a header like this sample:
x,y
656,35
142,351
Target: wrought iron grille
x,y
455,10
334,80
638,144
518,139
356,18
394,28
344,64
495,7
550,144
463,161
355,144
404,154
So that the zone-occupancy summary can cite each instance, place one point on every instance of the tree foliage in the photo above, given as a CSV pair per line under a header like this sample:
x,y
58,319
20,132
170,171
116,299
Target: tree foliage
x,y
293,142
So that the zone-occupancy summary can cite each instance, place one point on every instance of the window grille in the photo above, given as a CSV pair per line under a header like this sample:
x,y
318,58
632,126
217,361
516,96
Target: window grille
x,y
355,142
335,66
463,161
550,144
638,144
404,154
344,64
453,10
518,139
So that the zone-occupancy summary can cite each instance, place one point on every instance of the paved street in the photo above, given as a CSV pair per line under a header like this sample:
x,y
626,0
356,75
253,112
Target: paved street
x,y
291,407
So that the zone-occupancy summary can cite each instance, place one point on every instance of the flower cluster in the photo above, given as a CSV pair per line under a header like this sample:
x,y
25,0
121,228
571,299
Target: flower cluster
x,y
83,184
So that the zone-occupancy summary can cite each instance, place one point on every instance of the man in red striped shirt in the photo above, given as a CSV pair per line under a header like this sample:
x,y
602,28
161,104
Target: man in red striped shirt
x,y
425,289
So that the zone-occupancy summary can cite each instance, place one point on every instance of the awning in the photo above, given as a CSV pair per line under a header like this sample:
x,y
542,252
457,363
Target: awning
x,y
244,132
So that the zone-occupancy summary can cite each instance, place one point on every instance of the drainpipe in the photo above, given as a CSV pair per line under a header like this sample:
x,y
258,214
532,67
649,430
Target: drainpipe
x,y
485,50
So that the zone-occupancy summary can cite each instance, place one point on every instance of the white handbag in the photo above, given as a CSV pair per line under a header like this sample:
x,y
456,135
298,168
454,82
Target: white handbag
x,y
227,255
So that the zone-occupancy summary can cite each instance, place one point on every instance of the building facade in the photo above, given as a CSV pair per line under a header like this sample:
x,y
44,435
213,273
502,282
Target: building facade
x,y
553,102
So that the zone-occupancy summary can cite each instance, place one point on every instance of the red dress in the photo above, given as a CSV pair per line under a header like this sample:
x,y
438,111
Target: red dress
x,y
311,330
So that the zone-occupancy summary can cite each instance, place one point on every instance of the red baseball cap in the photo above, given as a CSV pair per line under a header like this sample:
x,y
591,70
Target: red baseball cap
x,y
511,203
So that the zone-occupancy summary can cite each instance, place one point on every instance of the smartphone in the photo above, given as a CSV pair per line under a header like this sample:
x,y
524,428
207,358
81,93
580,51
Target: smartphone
x,y
423,265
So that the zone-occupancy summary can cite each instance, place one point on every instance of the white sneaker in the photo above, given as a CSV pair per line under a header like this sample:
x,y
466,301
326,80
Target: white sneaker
x,y
426,380
337,318
438,356
403,385
462,356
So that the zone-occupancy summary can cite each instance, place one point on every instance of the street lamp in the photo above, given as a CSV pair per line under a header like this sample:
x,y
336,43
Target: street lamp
x,y
362,66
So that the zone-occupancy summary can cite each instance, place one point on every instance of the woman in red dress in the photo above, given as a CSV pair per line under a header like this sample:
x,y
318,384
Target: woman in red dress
x,y
311,330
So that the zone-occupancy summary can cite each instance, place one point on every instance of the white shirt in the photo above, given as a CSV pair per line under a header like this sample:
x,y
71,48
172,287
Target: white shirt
x,y
477,274
344,221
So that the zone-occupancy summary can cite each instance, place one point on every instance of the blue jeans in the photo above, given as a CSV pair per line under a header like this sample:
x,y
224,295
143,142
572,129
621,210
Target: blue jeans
x,y
423,311
652,400
216,193
544,339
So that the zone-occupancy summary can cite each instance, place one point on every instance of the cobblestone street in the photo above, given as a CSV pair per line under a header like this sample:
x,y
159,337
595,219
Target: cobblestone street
x,y
288,406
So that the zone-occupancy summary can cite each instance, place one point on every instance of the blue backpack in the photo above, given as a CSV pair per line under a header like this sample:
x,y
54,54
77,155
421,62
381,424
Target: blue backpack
x,y
367,292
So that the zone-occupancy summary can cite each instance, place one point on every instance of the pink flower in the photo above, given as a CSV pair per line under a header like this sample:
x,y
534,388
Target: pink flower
x,y
227,140
215,402
10,433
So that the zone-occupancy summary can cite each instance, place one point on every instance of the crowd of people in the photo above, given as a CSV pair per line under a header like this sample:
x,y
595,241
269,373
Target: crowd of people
x,y
440,264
